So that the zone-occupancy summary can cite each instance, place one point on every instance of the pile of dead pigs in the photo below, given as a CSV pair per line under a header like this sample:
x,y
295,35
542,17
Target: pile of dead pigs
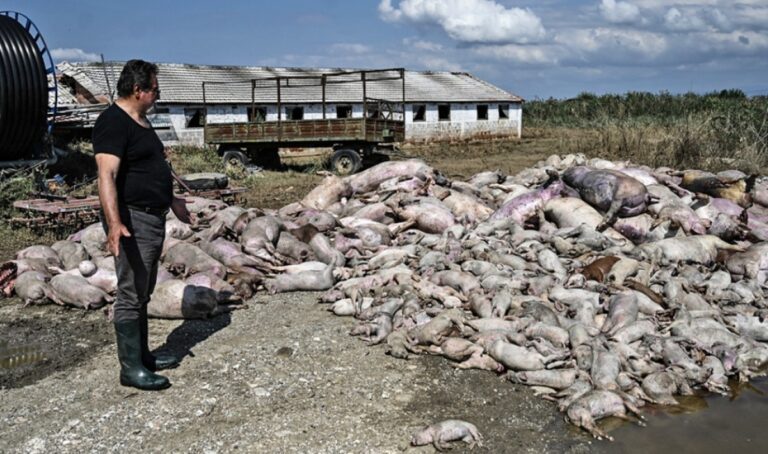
x,y
603,285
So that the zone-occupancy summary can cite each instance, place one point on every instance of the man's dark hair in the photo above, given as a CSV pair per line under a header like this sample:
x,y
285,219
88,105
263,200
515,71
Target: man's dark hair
x,y
135,72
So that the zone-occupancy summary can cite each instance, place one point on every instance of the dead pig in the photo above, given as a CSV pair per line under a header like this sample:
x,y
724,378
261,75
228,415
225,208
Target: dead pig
x,y
442,433
555,379
76,291
186,259
610,191
525,206
33,288
40,252
70,253
177,299
307,281
597,405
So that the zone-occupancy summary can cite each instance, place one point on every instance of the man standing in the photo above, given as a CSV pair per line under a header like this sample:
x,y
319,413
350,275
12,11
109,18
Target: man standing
x,y
136,191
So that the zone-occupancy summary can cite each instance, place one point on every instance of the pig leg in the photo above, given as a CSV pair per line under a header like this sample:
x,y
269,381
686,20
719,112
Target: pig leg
x,y
324,251
586,422
610,217
226,308
631,407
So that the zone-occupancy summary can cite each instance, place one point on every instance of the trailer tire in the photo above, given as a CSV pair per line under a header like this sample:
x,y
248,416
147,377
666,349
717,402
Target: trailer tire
x,y
235,158
346,161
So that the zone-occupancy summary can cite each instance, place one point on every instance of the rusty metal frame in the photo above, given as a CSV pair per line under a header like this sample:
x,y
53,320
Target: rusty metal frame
x,y
366,77
65,216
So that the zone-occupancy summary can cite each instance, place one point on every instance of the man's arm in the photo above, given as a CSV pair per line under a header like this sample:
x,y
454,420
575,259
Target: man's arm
x,y
108,166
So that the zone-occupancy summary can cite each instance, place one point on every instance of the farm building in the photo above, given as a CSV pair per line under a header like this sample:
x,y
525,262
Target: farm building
x,y
437,105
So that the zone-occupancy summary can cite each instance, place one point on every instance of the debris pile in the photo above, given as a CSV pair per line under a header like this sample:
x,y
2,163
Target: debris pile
x,y
603,285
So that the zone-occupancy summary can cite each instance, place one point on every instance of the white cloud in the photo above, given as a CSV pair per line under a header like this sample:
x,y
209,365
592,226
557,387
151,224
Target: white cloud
x,y
352,48
72,54
422,45
676,20
696,19
440,64
751,17
609,45
619,12
470,21
524,55
719,20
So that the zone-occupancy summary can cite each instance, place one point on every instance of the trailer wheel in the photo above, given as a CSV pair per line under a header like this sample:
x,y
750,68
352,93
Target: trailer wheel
x,y
345,162
235,158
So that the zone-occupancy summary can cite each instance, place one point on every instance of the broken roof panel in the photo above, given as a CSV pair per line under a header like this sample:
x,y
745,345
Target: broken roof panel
x,y
182,84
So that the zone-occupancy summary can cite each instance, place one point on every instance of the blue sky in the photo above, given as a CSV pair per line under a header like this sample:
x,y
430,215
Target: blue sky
x,y
535,49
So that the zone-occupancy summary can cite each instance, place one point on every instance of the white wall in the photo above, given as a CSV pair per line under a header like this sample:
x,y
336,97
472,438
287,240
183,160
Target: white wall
x,y
463,123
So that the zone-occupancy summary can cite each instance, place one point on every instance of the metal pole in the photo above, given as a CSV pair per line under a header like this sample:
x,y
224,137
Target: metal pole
x,y
402,74
365,101
205,112
279,113
253,99
322,82
109,89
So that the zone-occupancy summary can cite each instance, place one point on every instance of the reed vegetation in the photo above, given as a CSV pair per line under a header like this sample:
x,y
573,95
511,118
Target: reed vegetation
x,y
713,131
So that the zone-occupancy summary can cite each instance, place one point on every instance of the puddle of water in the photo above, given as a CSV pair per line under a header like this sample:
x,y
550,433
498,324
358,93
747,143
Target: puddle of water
x,y
700,425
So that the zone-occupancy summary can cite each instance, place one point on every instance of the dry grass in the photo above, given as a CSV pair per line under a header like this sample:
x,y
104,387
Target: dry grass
x,y
272,189
462,160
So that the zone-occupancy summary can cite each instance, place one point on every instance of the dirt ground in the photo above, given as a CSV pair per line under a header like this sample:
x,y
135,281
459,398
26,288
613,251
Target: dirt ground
x,y
280,376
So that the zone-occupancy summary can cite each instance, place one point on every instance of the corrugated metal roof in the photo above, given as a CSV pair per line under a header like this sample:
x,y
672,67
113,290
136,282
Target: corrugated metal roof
x,y
182,84
65,96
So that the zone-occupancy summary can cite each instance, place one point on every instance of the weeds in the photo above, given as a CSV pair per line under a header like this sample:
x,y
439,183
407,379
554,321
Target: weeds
x,y
188,159
14,188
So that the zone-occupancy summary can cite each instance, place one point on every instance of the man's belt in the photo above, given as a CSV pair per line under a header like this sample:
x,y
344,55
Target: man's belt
x,y
154,211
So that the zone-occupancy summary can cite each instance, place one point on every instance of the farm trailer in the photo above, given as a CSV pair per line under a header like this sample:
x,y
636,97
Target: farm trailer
x,y
371,136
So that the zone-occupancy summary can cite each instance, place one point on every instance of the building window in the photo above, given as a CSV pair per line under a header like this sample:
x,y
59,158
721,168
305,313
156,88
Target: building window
x,y
257,114
195,117
482,111
419,112
343,111
294,113
503,111
444,112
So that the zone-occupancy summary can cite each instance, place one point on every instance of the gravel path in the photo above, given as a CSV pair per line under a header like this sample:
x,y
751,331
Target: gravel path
x,y
281,376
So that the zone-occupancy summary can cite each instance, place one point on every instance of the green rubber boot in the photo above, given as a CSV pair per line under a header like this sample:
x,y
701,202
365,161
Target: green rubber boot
x,y
150,361
132,371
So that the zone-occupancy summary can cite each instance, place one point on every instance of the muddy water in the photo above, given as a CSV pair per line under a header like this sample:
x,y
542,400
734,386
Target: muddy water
x,y
710,424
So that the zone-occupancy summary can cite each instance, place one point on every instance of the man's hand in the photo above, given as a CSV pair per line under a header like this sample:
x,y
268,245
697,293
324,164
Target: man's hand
x,y
179,208
113,238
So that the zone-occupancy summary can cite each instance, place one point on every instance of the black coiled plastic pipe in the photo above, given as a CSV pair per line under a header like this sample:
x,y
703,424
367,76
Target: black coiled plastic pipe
x,y
23,91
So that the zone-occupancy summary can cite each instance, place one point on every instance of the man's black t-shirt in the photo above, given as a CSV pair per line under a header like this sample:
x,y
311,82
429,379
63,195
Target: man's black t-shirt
x,y
144,178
